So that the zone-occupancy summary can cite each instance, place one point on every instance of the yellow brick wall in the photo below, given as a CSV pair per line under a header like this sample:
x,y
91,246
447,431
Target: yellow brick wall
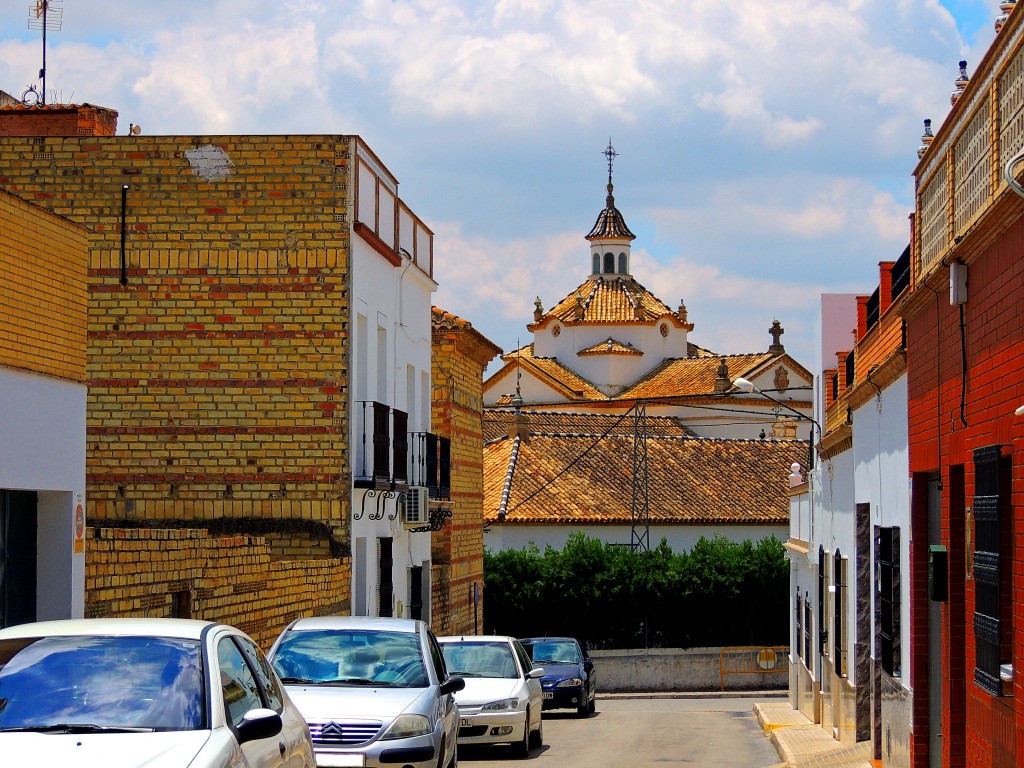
x,y
189,573
218,374
43,262
459,358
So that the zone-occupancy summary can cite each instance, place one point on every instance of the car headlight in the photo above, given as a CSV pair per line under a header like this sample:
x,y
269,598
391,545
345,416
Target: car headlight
x,y
407,726
572,682
501,706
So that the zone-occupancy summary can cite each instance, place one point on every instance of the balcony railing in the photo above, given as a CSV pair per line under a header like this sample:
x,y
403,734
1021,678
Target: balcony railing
x,y
387,456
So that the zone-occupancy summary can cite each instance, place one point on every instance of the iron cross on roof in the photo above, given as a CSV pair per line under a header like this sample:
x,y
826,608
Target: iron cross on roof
x,y
611,154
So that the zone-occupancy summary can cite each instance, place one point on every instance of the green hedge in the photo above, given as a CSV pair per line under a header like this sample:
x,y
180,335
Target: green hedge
x,y
719,593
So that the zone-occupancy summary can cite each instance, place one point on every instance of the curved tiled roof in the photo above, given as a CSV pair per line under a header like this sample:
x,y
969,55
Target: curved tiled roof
x,y
551,372
610,222
610,347
691,375
499,421
585,479
609,299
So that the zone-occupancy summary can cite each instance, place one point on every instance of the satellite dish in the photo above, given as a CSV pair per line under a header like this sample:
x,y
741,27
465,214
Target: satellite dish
x,y
134,129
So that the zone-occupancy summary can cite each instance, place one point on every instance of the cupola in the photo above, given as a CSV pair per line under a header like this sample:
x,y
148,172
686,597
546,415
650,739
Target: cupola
x,y
610,237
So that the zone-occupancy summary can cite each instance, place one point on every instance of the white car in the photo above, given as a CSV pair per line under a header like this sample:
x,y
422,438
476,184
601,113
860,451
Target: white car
x,y
502,700
375,691
159,693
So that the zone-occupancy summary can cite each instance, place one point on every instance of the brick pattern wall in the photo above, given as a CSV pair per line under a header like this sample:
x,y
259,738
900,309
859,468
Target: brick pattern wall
x,y
982,729
43,261
460,355
217,360
188,573
57,120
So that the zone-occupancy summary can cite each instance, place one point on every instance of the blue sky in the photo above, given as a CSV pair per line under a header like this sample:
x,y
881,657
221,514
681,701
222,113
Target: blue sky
x,y
766,149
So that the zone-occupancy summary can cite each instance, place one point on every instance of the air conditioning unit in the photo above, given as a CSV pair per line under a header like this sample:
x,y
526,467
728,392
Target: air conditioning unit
x,y
416,509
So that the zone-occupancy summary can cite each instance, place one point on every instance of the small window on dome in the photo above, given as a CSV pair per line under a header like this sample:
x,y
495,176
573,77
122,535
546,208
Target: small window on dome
x,y
622,264
609,263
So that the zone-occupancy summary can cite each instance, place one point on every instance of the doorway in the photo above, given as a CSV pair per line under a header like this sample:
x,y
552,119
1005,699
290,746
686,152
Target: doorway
x,y
18,557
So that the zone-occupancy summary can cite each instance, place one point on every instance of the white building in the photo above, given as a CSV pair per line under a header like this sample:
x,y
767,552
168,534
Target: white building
x,y
396,460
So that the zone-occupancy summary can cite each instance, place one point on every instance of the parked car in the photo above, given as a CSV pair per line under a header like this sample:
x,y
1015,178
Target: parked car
x,y
374,691
144,692
569,681
502,702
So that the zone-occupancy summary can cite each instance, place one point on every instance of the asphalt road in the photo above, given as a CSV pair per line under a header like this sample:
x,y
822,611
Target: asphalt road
x,y
640,733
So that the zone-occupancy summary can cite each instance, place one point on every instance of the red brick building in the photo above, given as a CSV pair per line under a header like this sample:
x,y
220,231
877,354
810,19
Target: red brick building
x,y
965,348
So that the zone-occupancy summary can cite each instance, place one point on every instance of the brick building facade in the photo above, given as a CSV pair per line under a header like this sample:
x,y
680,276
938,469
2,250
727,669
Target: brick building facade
x,y
460,355
965,343
218,362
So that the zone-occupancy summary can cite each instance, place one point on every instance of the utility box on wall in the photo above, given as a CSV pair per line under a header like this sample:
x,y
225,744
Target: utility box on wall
x,y
938,573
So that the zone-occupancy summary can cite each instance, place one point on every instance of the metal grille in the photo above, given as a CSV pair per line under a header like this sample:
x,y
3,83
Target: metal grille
x,y
1011,107
972,160
987,569
346,733
934,232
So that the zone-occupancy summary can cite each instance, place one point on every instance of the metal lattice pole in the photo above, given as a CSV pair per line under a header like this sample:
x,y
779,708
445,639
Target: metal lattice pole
x,y
640,536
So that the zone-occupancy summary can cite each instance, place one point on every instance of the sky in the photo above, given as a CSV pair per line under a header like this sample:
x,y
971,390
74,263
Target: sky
x,y
766,148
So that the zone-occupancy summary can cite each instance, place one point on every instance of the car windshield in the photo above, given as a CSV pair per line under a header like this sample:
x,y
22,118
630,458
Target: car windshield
x,y
86,683
480,659
350,657
553,652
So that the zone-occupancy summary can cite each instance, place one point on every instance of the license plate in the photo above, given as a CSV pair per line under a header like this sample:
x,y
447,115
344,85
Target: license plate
x,y
465,722
329,760
549,694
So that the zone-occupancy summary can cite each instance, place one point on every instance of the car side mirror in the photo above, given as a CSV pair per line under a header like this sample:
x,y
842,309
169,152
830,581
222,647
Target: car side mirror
x,y
259,724
452,684
535,673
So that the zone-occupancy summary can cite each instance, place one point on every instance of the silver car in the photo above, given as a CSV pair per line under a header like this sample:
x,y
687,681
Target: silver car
x,y
374,691
502,700
159,693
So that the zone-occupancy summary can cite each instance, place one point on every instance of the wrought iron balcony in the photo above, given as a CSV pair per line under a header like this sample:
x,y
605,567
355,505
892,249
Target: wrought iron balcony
x,y
386,458
431,464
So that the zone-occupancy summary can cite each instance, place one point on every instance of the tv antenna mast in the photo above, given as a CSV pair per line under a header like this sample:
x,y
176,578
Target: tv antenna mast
x,y
45,15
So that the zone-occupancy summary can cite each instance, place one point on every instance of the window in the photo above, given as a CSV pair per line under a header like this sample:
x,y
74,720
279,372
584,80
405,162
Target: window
x,y
416,592
265,674
597,263
887,611
991,637
798,636
609,263
840,647
241,693
623,266
385,581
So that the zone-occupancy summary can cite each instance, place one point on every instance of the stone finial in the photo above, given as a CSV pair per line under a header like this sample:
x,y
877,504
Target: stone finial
x,y
926,139
1006,8
776,347
722,381
538,310
638,311
960,83
681,312
579,310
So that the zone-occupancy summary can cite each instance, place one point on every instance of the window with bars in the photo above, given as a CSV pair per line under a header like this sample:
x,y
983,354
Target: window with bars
x,y
887,559
839,645
990,633
798,636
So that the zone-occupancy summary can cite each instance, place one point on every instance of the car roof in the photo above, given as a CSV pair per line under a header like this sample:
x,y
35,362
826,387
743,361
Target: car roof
x,y
162,627
378,623
475,638
545,639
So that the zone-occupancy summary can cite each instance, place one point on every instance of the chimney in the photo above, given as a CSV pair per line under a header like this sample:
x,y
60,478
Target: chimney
x,y
722,381
862,316
57,120
885,286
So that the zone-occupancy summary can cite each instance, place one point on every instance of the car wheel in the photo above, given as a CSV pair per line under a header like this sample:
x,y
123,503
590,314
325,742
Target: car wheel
x,y
537,737
584,708
522,748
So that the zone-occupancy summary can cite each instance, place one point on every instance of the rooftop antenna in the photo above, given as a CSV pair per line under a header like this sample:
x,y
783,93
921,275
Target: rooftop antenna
x,y
45,15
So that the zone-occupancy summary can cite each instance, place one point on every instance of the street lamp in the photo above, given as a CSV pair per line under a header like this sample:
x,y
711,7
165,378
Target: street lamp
x,y
748,386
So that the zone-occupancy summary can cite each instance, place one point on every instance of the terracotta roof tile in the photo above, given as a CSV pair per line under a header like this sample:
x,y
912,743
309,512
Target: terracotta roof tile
x,y
586,479
612,300
498,422
690,375
610,347
550,371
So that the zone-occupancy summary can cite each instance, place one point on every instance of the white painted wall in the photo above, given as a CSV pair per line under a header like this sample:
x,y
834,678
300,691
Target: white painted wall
x,y
883,480
42,449
680,538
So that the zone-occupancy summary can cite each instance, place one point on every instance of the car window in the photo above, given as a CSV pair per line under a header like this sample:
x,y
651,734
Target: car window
x,y
238,682
555,652
350,657
523,656
264,672
474,659
440,668
110,682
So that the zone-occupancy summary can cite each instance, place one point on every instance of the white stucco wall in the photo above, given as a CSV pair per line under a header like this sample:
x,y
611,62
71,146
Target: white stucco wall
x,y
42,449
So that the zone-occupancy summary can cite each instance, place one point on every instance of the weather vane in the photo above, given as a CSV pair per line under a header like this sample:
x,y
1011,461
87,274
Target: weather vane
x,y
611,154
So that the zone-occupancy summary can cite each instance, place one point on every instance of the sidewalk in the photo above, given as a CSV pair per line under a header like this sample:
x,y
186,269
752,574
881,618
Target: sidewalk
x,y
802,744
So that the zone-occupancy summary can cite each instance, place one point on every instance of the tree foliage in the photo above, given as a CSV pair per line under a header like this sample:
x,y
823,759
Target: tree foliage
x,y
719,593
